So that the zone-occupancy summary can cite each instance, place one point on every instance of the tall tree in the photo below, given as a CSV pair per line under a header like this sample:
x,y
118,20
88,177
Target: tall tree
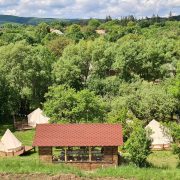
x,y
81,62
138,144
27,70
64,104
151,101
74,32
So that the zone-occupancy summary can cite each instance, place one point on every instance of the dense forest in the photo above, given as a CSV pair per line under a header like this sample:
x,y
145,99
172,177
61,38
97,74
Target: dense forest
x,y
128,69
36,21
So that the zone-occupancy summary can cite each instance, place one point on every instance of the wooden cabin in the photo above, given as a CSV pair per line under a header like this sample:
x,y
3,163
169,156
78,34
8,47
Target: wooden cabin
x,y
87,146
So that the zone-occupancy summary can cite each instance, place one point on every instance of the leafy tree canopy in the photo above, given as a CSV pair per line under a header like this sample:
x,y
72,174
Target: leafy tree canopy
x,y
64,104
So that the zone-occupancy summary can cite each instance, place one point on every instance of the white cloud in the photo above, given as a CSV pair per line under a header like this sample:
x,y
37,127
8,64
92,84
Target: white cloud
x,y
5,3
88,8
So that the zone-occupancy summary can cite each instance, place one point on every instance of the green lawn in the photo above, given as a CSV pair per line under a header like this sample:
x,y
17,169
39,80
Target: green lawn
x,y
30,164
130,172
163,159
164,164
26,137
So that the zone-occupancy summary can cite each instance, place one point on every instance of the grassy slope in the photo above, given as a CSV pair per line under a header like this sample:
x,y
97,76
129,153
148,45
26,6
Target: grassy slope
x,y
26,137
164,164
163,159
139,173
30,164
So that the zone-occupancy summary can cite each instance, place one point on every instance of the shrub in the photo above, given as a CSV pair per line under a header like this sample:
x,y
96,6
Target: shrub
x,y
138,144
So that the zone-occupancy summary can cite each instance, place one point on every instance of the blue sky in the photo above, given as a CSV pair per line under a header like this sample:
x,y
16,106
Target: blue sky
x,y
88,8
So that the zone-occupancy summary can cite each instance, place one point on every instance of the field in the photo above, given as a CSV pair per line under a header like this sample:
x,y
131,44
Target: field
x,y
164,165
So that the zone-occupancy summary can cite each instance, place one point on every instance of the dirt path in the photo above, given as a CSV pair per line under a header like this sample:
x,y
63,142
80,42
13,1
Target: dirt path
x,y
49,177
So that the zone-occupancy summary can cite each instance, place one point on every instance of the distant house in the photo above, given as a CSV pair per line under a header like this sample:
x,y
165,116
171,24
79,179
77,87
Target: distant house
x,y
87,146
37,117
101,32
160,137
56,31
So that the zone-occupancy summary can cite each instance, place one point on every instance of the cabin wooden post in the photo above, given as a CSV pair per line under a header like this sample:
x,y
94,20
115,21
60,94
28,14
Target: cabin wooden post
x,y
90,154
65,158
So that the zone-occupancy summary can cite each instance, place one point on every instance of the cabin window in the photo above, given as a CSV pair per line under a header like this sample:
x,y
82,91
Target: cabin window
x,y
78,154
97,153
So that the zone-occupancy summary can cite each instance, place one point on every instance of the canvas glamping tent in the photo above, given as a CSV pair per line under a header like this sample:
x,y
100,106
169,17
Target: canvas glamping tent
x,y
37,117
160,137
9,144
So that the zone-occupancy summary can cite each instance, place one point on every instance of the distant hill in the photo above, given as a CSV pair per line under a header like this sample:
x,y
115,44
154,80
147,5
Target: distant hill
x,y
34,20
23,20
177,18
30,20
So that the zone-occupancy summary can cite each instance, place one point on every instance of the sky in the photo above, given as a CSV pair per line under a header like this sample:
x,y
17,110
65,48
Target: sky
x,y
89,8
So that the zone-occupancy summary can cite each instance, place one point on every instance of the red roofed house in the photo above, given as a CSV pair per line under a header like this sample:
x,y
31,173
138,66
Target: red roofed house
x,y
84,145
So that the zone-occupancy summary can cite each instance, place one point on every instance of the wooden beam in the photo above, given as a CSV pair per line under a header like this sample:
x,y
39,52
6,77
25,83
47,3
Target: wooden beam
x,y
65,158
90,154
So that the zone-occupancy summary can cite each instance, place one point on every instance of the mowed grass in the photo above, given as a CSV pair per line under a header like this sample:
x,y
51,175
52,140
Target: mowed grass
x,y
30,164
164,164
131,172
26,137
163,159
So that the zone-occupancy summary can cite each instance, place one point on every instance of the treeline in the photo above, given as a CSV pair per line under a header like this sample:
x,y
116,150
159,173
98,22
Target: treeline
x,y
35,21
131,70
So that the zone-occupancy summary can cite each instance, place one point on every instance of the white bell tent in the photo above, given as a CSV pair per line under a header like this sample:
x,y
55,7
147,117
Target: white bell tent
x,y
37,117
2,147
161,139
9,143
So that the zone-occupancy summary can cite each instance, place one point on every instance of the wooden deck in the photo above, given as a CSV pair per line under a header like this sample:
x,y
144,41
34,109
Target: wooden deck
x,y
18,153
28,148
22,126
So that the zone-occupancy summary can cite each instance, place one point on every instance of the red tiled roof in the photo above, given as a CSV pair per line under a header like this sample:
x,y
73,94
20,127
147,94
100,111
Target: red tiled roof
x,y
78,135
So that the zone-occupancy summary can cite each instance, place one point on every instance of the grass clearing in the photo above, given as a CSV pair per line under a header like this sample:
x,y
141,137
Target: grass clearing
x,y
164,163
163,159
30,164
139,173
26,137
